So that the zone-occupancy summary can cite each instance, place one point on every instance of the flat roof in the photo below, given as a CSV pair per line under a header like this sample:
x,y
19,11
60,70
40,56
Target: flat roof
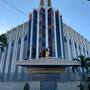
x,y
47,62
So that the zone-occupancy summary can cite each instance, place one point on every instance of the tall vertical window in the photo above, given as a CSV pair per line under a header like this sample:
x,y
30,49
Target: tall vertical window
x,y
51,32
29,35
58,34
76,50
84,51
65,48
18,51
17,59
4,62
10,61
41,31
71,50
80,50
87,53
34,34
25,48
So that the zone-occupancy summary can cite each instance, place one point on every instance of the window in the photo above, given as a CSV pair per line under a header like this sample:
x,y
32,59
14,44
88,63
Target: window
x,y
84,51
71,50
65,48
34,36
58,34
87,53
80,50
25,48
42,33
29,35
76,50
18,51
65,40
51,38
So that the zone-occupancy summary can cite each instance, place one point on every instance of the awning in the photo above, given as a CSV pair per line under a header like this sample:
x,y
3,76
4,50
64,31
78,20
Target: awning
x,y
48,62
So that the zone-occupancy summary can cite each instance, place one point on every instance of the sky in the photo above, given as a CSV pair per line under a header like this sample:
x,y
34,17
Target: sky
x,y
76,14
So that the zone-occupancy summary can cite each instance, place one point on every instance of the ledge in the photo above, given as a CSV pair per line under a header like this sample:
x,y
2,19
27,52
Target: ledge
x,y
48,62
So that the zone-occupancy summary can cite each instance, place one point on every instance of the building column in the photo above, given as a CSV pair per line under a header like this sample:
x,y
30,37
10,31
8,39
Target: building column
x,y
13,65
61,36
2,61
85,51
7,61
37,48
82,53
31,37
55,35
46,18
21,58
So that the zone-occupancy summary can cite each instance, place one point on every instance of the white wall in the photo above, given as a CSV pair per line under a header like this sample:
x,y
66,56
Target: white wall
x,y
19,85
35,85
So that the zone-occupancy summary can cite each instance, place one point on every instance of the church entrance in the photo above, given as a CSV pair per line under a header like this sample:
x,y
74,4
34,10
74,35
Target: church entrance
x,y
48,85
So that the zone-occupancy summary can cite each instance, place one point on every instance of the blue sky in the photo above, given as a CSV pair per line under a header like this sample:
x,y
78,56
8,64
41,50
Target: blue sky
x,y
76,13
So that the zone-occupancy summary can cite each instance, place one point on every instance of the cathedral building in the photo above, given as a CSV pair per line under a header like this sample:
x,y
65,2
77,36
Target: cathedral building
x,y
24,58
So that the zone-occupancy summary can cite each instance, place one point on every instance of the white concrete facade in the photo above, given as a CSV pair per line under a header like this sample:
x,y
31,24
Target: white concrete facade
x,y
36,85
72,44
20,33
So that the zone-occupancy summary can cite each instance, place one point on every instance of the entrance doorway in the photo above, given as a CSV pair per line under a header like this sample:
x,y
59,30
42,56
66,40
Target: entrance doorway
x,y
48,85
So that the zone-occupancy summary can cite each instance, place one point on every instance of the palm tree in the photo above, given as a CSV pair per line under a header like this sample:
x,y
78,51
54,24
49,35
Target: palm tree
x,y
3,41
84,64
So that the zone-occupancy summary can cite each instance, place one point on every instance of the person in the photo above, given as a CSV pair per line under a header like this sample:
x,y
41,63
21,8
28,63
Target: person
x,y
26,87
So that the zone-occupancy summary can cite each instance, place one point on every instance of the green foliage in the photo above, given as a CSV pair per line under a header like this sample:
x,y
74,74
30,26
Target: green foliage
x,y
84,63
26,87
3,41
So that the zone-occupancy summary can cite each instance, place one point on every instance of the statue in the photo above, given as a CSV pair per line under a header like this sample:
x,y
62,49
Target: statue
x,y
47,53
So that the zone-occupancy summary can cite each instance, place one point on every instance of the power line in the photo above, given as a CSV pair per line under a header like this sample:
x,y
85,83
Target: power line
x,y
12,6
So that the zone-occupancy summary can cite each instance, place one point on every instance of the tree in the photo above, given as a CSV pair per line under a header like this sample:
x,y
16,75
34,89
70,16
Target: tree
x,y
26,87
84,64
3,41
